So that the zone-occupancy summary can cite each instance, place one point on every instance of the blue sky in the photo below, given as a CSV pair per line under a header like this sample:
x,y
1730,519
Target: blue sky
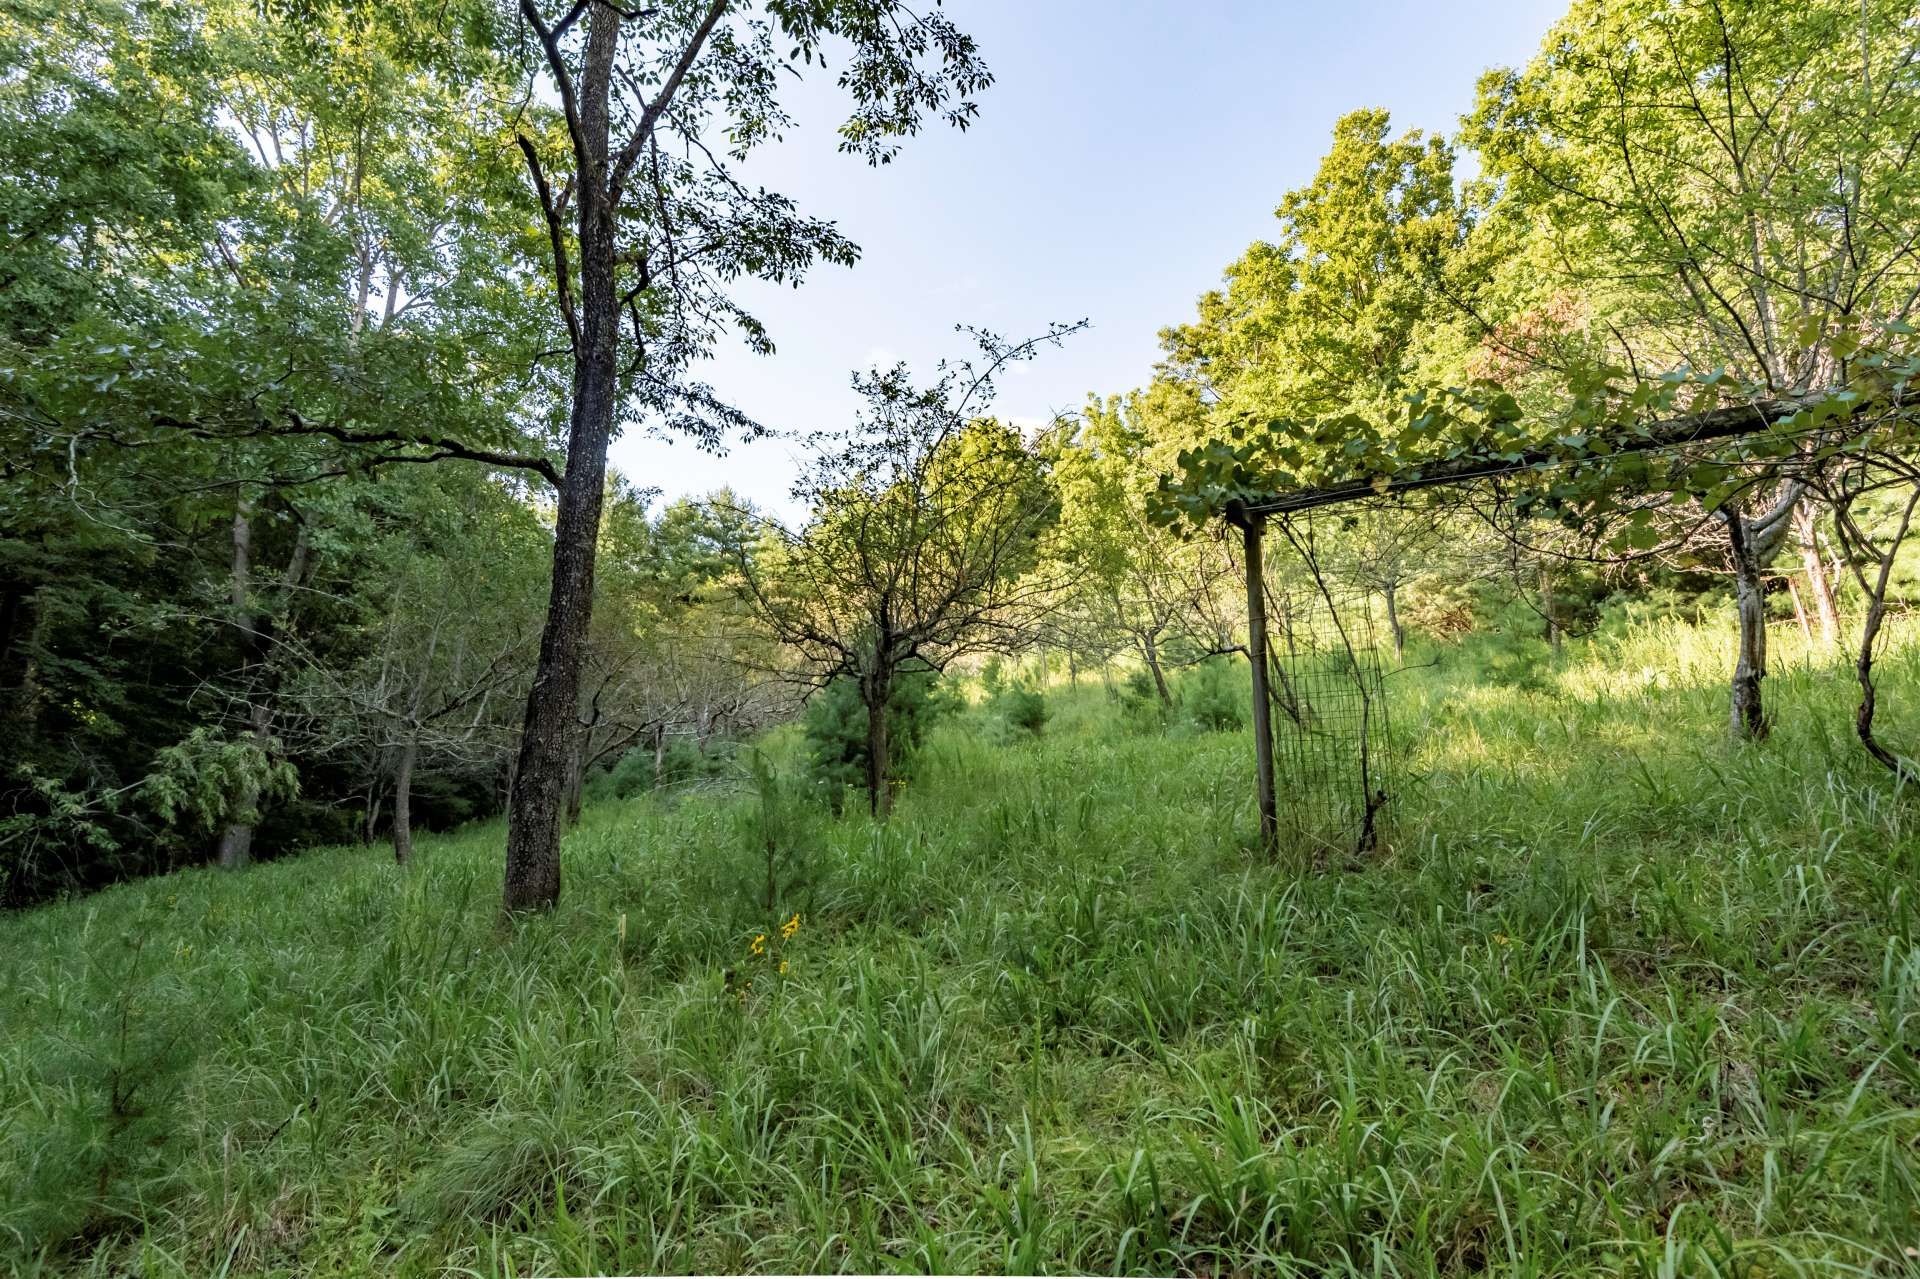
x,y
1126,153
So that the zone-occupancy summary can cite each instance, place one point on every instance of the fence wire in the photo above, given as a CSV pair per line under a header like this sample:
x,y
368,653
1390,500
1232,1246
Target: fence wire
x,y
1334,758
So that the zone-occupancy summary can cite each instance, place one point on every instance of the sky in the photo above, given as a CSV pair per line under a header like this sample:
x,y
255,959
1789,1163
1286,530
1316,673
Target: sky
x,y
1126,153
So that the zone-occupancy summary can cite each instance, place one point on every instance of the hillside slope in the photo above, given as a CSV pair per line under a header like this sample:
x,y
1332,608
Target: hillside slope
x,y
1617,997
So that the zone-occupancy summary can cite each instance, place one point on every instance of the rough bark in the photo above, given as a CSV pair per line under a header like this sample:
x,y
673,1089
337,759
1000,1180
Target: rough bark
x,y
403,803
236,839
536,818
576,777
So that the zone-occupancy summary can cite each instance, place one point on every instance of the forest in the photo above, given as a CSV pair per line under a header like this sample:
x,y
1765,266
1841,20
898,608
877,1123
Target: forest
x,y
1418,781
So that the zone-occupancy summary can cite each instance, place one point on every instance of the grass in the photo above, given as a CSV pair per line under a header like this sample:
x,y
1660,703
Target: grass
x,y
1617,997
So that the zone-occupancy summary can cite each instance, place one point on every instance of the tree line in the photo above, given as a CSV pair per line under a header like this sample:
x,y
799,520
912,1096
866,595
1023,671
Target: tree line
x,y
317,320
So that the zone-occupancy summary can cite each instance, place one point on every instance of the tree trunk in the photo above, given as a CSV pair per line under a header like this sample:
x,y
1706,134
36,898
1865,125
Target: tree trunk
x,y
1546,608
1752,544
370,820
22,623
1149,647
1876,593
576,777
236,839
1869,695
536,816
1747,711
1265,796
12,597
403,803
659,756
1819,582
1392,593
1800,611
878,688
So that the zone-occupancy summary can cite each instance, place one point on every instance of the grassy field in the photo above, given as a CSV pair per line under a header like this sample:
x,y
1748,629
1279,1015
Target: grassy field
x,y
1617,997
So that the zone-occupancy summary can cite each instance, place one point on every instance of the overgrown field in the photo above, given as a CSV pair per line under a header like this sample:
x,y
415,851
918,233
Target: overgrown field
x,y
1618,997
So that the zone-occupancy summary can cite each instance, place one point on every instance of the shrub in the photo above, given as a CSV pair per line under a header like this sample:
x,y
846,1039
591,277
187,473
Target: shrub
x,y
836,728
1512,651
631,774
101,1149
1022,709
1215,695
993,677
681,763
1140,704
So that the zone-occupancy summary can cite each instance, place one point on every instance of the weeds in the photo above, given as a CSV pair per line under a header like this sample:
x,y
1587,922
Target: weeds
x,y
1622,999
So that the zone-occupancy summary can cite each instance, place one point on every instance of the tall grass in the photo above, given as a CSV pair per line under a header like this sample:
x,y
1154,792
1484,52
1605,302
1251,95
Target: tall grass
x,y
1617,997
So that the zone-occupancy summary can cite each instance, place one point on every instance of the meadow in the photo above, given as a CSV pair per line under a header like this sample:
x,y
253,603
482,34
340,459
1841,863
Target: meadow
x,y
1616,996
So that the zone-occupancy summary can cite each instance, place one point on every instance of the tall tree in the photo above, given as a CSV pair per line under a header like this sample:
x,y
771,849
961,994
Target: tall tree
x,y
1322,320
648,226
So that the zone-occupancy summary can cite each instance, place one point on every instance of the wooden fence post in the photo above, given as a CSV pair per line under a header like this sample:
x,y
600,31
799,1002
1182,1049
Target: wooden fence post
x,y
1253,526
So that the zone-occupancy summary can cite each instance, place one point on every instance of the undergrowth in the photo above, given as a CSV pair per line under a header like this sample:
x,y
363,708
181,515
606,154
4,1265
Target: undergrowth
x,y
1616,996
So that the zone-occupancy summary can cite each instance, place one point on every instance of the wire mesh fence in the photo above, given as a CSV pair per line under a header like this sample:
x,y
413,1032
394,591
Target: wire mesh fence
x,y
1334,757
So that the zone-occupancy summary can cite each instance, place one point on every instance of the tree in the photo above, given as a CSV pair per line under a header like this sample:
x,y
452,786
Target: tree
x,y
1719,184
1136,582
1329,323
927,527
671,652
193,336
648,227
1382,548
1323,321
444,610
1886,478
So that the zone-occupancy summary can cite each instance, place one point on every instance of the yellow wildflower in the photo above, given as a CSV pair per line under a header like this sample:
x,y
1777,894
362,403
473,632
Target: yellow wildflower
x,y
783,968
1501,939
791,927
759,946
